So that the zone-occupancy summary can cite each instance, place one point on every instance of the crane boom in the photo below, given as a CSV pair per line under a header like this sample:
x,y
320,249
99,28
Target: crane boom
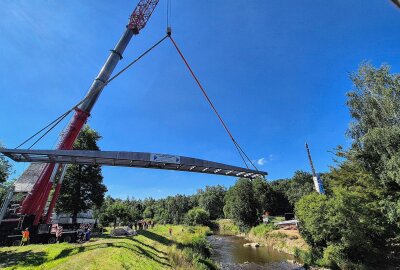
x,y
317,180
36,200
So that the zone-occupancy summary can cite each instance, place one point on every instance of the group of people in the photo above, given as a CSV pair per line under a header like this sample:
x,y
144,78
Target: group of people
x,y
84,233
142,224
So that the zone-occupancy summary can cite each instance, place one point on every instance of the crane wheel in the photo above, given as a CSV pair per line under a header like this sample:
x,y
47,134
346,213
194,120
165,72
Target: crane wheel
x,y
52,240
67,239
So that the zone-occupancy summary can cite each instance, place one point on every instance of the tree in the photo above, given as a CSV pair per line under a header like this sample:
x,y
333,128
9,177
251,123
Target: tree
x,y
5,168
197,216
345,229
177,207
264,196
5,171
240,204
301,184
83,187
212,200
281,202
114,211
357,226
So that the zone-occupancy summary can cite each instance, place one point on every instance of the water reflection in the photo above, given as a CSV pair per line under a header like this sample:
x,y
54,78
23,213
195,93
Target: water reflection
x,y
230,253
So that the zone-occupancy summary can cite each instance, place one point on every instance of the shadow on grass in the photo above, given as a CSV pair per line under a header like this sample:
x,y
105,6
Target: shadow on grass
x,y
135,249
156,237
146,245
25,258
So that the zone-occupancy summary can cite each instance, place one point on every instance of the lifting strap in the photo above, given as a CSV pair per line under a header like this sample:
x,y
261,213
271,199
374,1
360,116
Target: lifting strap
x,y
239,149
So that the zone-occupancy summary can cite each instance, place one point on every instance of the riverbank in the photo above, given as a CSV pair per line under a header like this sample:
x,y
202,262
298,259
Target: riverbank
x,y
288,241
152,249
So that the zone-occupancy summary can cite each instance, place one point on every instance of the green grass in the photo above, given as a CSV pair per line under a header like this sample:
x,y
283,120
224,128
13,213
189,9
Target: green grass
x,y
262,230
151,249
227,227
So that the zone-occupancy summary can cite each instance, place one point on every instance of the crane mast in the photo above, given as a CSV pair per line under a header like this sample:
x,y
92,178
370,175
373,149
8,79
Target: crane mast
x,y
36,200
317,180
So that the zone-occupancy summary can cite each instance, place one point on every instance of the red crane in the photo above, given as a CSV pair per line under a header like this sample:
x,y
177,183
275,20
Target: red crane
x,y
35,201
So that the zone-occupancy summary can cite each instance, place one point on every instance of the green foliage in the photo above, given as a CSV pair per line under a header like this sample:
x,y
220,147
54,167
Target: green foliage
x,y
281,204
263,196
301,184
262,230
358,224
83,186
197,216
212,200
5,168
247,201
176,208
4,187
375,100
311,211
227,227
239,204
305,256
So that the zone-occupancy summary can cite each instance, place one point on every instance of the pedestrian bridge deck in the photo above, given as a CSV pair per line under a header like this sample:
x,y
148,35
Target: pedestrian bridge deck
x,y
130,159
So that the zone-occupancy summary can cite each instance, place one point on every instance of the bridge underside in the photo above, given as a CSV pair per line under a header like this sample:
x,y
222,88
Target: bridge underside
x,y
130,159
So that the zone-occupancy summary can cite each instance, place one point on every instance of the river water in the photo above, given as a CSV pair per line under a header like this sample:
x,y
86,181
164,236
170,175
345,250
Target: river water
x,y
229,253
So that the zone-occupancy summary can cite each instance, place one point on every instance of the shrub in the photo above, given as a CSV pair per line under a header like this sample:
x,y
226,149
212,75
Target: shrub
x,y
262,230
197,216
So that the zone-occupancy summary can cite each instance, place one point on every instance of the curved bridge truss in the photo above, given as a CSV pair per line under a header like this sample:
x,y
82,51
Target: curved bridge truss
x,y
130,159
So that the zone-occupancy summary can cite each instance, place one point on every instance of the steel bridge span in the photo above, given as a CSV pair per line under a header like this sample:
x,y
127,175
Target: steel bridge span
x,y
130,159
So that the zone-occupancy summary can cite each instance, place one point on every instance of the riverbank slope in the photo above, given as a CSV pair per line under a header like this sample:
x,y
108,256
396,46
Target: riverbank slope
x,y
153,249
288,241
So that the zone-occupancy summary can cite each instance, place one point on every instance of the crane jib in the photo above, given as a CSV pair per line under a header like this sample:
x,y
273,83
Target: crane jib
x,y
35,201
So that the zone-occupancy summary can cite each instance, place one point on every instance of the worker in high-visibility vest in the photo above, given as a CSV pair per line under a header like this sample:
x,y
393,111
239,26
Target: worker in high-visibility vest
x,y
25,237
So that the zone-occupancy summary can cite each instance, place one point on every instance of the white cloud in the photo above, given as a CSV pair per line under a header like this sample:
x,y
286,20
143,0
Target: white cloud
x,y
261,161
264,160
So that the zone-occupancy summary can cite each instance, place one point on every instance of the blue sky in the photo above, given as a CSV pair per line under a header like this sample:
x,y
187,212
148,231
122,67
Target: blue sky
x,y
276,70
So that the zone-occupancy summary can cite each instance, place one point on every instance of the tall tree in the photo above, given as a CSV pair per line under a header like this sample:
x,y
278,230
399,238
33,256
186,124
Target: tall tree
x,y
359,225
301,184
83,186
240,204
212,200
264,196
281,202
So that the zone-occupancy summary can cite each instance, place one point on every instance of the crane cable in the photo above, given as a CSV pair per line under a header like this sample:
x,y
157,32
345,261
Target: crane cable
x,y
240,150
55,122
238,147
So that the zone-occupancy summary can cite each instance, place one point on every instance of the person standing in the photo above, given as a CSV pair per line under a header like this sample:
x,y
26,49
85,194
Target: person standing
x,y
87,235
59,233
25,237
170,231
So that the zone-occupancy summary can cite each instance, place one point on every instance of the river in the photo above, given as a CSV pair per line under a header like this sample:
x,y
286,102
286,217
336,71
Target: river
x,y
229,253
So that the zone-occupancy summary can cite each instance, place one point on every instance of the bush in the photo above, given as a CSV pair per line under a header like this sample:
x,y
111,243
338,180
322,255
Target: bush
x,y
197,216
193,255
304,256
227,227
262,230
